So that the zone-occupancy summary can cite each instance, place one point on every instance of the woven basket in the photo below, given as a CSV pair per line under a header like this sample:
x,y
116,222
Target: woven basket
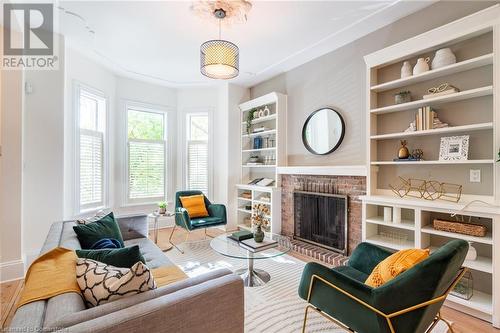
x,y
460,228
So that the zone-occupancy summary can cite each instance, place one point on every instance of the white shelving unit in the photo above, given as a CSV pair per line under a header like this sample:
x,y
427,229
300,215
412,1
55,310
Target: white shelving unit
x,y
275,131
473,111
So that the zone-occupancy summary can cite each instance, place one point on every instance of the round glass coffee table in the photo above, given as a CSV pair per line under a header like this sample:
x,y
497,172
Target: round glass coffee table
x,y
251,276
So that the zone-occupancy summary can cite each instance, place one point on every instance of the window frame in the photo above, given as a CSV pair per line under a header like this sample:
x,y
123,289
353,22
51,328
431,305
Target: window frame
x,y
185,173
78,88
151,108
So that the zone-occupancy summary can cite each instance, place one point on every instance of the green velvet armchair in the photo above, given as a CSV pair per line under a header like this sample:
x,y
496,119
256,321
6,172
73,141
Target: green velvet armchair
x,y
409,303
217,216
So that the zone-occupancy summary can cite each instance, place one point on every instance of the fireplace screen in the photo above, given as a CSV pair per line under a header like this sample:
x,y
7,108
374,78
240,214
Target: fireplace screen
x,y
321,219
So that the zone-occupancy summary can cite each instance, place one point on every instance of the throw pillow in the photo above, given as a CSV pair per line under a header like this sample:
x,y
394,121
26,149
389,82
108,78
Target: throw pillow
x,y
125,257
106,243
195,205
394,265
106,227
101,283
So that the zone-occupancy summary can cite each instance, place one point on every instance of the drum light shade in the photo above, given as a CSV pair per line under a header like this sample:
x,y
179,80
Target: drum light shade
x,y
219,59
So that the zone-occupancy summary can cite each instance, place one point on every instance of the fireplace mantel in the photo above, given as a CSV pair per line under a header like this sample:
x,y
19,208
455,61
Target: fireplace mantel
x,y
338,170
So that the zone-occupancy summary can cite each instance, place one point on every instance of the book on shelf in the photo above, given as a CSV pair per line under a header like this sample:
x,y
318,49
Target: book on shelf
x,y
425,118
252,246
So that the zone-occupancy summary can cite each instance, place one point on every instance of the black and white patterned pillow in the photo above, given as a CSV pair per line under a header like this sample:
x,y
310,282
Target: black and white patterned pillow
x,y
101,283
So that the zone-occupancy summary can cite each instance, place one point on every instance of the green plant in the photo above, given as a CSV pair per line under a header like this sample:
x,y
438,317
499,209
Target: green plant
x,y
249,119
162,205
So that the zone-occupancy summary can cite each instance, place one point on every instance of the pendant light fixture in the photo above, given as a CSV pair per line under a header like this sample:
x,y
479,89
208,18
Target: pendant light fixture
x,y
219,59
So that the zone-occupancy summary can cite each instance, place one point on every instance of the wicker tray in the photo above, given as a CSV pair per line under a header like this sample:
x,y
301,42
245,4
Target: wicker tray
x,y
460,228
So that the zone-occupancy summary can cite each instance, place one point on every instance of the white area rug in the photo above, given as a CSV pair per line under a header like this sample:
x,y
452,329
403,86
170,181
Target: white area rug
x,y
272,308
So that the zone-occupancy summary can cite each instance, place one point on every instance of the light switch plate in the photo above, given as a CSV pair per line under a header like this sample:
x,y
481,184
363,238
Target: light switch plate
x,y
475,176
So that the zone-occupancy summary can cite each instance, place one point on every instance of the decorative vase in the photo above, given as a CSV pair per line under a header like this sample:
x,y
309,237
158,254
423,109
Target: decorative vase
x,y
267,112
403,152
421,66
258,234
406,69
261,113
472,253
442,58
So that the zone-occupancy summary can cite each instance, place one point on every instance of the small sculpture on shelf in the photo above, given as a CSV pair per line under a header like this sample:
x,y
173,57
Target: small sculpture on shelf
x,y
402,97
403,151
440,90
427,189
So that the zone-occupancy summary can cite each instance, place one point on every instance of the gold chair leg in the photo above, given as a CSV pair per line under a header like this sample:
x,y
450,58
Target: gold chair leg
x,y
305,319
436,320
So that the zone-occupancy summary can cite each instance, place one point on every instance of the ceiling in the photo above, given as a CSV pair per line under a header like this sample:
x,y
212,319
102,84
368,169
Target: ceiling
x,y
159,41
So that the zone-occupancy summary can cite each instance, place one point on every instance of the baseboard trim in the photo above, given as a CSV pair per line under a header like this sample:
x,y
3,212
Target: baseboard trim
x,y
11,270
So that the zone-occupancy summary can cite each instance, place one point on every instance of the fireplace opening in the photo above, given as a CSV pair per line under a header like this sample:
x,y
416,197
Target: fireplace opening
x,y
321,219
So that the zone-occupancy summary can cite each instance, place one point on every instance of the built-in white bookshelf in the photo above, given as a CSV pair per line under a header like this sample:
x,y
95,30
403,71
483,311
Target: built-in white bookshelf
x,y
270,152
475,111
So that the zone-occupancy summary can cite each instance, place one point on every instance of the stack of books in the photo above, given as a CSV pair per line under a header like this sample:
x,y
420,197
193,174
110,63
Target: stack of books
x,y
252,246
425,118
240,235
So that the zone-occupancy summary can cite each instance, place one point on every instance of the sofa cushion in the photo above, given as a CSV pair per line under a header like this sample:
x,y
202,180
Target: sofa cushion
x,y
152,254
101,283
125,257
203,222
89,234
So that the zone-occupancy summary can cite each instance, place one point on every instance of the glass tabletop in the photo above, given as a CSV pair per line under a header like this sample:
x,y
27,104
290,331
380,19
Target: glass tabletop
x,y
231,248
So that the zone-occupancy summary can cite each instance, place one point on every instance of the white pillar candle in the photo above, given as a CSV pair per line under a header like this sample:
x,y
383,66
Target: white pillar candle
x,y
387,214
396,215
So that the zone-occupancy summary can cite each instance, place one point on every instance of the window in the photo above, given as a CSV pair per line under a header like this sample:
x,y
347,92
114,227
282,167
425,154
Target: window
x,y
146,155
197,166
91,152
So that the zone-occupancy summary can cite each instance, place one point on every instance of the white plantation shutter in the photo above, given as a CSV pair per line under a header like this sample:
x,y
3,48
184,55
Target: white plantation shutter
x,y
146,169
91,168
197,166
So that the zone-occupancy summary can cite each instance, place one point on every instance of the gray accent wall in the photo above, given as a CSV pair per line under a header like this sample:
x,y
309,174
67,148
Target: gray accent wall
x,y
337,79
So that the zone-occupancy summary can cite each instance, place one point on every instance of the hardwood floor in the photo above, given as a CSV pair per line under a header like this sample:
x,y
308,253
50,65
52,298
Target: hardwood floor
x,y
9,291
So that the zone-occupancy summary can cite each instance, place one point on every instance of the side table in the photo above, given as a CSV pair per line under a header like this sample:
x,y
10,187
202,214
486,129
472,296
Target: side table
x,y
156,216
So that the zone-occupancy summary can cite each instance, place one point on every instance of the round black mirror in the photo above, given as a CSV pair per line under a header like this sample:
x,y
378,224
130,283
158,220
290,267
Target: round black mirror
x,y
323,131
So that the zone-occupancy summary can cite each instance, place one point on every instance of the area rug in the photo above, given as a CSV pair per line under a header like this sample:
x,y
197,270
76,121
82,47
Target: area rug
x,y
272,308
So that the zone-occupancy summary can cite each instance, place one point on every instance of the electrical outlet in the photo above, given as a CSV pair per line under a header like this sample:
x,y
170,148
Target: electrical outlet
x,y
475,176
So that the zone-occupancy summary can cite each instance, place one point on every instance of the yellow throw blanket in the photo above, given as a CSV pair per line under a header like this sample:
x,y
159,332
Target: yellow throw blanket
x,y
54,273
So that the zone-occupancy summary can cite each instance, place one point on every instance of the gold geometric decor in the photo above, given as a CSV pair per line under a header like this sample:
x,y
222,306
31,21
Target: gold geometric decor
x,y
427,189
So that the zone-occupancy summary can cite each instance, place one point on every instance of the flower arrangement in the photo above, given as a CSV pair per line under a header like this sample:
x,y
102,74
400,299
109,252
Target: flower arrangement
x,y
259,215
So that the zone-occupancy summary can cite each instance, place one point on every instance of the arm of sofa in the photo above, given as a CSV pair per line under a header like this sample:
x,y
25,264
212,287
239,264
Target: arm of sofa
x,y
215,306
133,226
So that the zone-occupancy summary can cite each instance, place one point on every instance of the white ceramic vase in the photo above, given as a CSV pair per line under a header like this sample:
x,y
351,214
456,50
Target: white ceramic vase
x,y
406,69
472,253
421,66
442,58
267,112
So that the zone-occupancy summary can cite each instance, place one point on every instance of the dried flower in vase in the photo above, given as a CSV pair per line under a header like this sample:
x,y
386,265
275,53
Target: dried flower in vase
x,y
260,215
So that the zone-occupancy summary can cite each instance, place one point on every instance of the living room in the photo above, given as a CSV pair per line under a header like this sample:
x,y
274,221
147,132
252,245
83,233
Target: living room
x,y
250,166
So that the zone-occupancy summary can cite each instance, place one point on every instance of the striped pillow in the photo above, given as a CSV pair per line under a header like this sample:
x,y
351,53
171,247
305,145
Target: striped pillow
x,y
101,283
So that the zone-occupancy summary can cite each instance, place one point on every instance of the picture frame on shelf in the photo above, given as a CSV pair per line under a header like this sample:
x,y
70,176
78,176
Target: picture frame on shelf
x,y
454,148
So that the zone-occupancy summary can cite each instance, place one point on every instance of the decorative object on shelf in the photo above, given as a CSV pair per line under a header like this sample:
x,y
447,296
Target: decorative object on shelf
x,y
260,220
267,112
430,190
387,214
469,229
261,113
442,58
396,215
250,117
406,69
254,159
465,287
441,90
402,97
162,207
417,154
323,131
272,140
399,238
403,152
454,148
421,66
257,142
248,207
260,129
472,253
412,127
246,195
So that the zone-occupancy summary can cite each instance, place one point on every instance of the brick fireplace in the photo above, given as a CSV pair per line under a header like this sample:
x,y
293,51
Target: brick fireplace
x,y
351,186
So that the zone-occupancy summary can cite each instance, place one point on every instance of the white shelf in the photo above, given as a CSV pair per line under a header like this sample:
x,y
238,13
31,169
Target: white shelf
x,y
244,211
268,132
482,264
480,301
244,199
389,243
259,166
462,66
459,96
405,224
262,202
451,129
261,119
434,162
428,229
257,150
267,189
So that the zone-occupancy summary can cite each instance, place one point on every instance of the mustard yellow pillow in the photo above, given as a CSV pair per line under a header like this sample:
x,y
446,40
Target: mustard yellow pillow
x,y
394,265
195,205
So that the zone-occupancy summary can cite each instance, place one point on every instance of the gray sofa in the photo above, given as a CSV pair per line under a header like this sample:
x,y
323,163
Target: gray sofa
x,y
212,302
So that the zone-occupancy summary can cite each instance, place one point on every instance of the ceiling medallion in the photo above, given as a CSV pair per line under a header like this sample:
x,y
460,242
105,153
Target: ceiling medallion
x,y
235,10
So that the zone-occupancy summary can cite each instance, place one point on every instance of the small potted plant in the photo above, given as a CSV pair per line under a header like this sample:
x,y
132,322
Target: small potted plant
x,y
162,207
402,97
250,117
260,220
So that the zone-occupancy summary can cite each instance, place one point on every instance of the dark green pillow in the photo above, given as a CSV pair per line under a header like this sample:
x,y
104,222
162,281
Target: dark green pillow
x,y
126,257
90,233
